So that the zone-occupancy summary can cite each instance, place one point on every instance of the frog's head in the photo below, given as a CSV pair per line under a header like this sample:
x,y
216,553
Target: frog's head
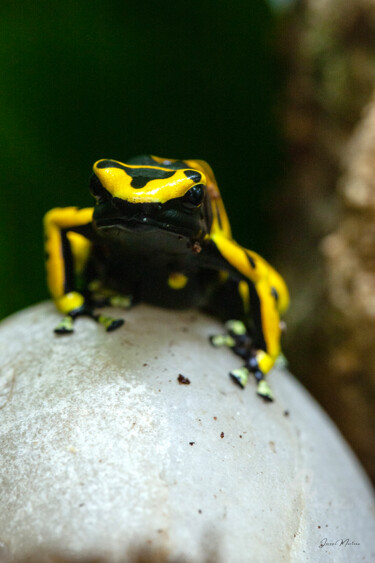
x,y
141,198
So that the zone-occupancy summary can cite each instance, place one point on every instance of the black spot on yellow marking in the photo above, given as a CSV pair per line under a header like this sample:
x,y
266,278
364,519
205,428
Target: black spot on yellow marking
x,y
251,260
140,176
275,294
193,175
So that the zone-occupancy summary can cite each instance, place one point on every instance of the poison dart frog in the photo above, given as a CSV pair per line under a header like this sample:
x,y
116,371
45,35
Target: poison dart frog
x,y
159,233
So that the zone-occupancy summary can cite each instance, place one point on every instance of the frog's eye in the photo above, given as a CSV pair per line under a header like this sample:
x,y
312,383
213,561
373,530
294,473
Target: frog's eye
x,y
194,196
97,190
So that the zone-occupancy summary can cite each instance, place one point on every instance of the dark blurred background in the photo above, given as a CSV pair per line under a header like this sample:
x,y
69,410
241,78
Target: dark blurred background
x,y
278,96
113,79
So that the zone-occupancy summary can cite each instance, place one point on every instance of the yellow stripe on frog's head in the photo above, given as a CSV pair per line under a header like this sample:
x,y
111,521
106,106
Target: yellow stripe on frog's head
x,y
137,183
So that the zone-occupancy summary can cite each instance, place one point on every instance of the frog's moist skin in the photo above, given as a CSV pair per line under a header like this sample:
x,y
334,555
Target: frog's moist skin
x,y
159,233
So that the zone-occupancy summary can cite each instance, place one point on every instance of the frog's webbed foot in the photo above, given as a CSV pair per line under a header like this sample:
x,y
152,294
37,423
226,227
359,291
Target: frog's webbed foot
x,y
66,325
239,340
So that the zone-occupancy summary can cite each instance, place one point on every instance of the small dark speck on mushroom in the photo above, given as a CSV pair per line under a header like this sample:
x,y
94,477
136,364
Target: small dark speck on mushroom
x,y
240,435
286,413
191,443
183,380
145,365
215,417
82,504
319,526
222,435
199,511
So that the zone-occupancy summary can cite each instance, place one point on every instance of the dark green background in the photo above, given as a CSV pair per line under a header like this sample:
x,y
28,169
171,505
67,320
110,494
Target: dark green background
x,y
83,80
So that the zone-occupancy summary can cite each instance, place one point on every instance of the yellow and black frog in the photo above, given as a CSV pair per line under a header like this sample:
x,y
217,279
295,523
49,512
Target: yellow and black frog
x,y
159,233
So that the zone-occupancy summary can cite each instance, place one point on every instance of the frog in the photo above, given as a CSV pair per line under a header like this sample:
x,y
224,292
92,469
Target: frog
x,y
159,233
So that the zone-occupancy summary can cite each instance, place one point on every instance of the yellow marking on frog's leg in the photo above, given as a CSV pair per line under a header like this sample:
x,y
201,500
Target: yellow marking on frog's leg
x,y
65,252
80,247
176,280
260,273
69,302
67,255
268,297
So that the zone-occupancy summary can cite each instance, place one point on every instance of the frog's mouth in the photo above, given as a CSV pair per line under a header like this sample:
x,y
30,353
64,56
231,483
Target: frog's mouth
x,y
141,226
145,218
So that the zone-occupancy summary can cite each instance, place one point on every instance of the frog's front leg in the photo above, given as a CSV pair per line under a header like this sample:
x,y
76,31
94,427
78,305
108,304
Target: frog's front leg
x,y
265,296
65,326
67,245
241,343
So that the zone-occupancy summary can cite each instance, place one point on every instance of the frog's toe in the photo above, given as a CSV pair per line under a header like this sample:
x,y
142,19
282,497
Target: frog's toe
x,y
109,323
237,328
65,326
115,323
264,390
240,376
220,340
